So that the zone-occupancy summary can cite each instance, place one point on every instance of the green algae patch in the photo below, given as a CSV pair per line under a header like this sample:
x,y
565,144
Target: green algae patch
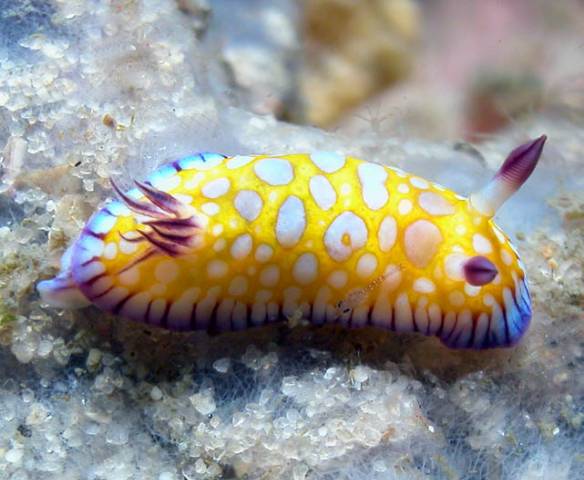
x,y
6,316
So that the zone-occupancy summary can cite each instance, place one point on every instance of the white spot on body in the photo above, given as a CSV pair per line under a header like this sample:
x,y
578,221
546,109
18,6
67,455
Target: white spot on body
x,y
322,192
460,230
166,271
217,229
506,257
210,208
372,178
422,240
263,253
387,233
471,290
338,279
489,300
274,171
270,275
345,234
238,286
403,314
217,269
481,244
435,204
424,285
404,206
241,247
127,247
238,161
194,181
305,269
291,221
456,298
392,277
403,188
110,251
216,188
366,265
248,204
453,264
219,245
328,162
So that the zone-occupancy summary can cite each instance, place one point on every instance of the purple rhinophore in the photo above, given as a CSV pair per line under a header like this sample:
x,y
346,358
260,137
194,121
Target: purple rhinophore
x,y
521,162
479,271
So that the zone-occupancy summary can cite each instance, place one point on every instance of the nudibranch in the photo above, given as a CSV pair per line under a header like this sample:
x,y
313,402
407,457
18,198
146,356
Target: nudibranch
x,y
219,243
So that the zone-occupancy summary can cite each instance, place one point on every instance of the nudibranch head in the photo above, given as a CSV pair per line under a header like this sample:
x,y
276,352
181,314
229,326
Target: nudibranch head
x,y
477,273
224,243
483,274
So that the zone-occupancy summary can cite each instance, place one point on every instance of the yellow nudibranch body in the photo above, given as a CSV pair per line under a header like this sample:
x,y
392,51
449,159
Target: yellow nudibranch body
x,y
225,243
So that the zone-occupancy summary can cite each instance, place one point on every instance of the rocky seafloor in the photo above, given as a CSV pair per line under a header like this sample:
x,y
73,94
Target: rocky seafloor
x,y
90,90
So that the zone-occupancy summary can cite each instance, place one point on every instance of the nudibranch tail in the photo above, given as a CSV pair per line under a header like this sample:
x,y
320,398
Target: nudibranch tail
x,y
61,291
516,169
